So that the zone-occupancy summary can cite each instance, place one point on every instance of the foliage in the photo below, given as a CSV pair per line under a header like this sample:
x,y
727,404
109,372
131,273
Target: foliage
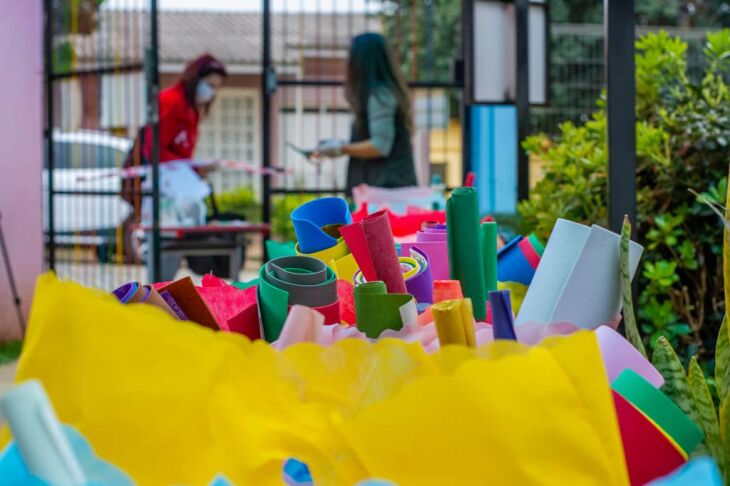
x,y
281,227
632,330
424,36
692,390
648,12
241,203
73,17
683,141
10,351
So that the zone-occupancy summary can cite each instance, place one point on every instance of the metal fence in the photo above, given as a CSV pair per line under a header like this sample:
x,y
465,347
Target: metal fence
x,y
96,102
102,64
577,71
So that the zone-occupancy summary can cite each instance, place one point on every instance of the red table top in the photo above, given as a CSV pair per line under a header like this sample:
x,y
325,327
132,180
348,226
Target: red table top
x,y
181,231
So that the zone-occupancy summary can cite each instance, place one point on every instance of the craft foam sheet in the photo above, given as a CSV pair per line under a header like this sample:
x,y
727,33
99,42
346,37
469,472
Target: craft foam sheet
x,y
465,249
171,402
577,280
371,243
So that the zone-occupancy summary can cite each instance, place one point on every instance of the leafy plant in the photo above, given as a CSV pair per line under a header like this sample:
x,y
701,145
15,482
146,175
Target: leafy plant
x,y
690,389
683,141
241,203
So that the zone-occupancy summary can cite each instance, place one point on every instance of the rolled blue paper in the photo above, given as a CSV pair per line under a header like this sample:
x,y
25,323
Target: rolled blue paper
x,y
13,469
220,480
296,473
309,218
503,321
512,266
701,470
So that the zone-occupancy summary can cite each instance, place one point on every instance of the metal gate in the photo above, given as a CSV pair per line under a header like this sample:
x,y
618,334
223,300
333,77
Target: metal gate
x,y
101,88
304,54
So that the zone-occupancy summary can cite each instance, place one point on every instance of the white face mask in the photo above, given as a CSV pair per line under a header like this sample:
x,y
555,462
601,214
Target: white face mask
x,y
204,92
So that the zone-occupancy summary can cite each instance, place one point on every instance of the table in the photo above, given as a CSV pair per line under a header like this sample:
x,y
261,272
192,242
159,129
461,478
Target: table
x,y
175,243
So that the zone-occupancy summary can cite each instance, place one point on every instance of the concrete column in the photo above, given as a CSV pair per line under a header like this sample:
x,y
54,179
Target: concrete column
x,y
21,152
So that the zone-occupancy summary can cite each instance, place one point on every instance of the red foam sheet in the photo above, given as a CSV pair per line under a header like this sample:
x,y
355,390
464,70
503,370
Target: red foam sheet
x,y
404,225
649,454
355,238
381,244
346,293
210,280
225,302
247,321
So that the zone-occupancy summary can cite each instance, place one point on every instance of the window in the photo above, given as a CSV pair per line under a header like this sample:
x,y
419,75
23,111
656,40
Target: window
x,y
231,131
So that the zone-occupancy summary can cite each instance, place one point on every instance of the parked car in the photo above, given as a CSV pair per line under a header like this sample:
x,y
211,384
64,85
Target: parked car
x,y
85,168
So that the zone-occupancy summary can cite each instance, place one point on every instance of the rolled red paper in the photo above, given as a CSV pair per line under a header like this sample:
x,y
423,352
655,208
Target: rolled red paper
x,y
372,244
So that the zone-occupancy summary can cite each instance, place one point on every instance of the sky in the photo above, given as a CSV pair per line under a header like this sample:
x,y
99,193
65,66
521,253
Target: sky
x,y
250,5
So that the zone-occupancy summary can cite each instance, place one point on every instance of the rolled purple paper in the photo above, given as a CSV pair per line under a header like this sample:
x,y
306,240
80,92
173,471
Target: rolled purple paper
x,y
503,321
147,292
125,292
165,294
420,285
425,236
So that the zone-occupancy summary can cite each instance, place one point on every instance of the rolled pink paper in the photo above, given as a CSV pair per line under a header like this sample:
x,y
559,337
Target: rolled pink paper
x,y
302,325
618,354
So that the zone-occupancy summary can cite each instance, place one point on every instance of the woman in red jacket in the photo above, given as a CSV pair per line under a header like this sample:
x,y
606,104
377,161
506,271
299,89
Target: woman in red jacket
x,y
181,108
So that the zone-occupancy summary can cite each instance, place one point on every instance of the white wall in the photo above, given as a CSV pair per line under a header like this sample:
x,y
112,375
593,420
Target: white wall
x,y
21,151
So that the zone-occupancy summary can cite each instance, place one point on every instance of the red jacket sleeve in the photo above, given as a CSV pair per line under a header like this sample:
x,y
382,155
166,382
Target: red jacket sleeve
x,y
178,128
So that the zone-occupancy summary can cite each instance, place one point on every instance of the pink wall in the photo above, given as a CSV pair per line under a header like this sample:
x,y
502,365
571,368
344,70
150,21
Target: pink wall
x,y
21,151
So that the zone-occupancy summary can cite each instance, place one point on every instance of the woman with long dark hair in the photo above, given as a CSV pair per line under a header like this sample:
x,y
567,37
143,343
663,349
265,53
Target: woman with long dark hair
x,y
380,148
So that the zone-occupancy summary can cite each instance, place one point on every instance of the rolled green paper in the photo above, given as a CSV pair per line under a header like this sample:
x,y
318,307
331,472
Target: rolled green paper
x,y
465,249
376,310
489,255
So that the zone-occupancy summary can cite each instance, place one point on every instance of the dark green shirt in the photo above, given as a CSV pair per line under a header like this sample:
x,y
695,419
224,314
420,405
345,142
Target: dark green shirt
x,y
385,126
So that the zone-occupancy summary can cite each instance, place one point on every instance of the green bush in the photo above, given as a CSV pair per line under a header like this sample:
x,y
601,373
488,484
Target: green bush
x,y
281,227
240,202
683,145
243,203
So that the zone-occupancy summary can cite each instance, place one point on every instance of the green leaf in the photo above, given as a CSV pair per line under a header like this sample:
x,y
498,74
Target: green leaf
x,y
675,386
632,331
722,361
706,413
725,436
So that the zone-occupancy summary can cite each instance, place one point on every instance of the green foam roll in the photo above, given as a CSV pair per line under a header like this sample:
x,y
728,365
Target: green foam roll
x,y
376,310
659,408
489,255
465,249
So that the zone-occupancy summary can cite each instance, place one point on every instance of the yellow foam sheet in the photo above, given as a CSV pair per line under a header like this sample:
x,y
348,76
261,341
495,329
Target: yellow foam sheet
x,y
173,402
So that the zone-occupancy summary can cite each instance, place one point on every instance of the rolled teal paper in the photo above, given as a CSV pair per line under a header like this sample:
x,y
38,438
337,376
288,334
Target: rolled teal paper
x,y
309,219
38,434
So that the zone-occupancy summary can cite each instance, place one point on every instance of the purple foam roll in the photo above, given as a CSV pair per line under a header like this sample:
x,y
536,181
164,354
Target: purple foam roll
x,y
147,293
425,236
125,292
503,321
420,286
165,294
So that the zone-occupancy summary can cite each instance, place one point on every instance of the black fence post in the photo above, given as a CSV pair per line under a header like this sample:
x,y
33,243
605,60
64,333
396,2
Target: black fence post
x,y
268,85
522,94
153,118
50,163
464,74
621,115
